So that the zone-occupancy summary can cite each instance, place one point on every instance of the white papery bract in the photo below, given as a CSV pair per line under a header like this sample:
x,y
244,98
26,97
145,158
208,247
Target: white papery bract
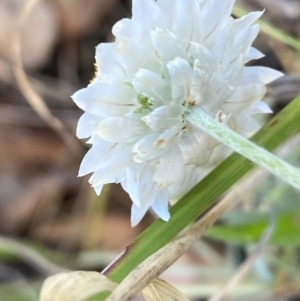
x,y
170,57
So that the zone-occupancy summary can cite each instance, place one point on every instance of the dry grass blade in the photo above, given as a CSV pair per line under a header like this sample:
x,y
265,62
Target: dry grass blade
x,y
160,290
280,292
35,101
245,267
156,264
75,286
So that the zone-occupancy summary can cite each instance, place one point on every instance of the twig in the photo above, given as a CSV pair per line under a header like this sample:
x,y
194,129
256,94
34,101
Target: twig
x,y
35,101
246,266
156,264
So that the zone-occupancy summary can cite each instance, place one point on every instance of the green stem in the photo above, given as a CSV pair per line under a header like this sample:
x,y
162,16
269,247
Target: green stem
x,y
204,194
245,147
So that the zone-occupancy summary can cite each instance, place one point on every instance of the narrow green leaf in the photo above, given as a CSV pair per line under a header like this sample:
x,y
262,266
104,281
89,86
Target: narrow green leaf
x,y
19,291
286,232
204,194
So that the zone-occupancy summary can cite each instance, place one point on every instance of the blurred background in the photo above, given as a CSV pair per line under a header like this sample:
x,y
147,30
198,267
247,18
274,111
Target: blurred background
x,y
50,220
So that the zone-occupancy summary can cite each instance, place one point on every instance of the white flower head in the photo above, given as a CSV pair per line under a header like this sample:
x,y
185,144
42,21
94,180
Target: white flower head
x,y
171,56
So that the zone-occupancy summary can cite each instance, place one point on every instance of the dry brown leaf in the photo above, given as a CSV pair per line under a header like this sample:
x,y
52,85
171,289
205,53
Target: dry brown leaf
x,y
75,286
160,290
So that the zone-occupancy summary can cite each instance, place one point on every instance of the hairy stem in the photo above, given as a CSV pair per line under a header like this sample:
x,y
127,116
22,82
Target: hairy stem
x,y
245,147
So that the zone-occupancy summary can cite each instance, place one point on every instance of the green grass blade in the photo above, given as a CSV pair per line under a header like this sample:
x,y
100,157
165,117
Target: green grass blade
x,y
204,194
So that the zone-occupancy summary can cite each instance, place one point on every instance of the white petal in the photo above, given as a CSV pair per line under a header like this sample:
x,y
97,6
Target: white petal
x,y
86,126
161,206
180,73
82,99
122,130
137,213
135,55
217,156
245,124
197,83
167,45
183,11
145,148
243,98
221,47
152,85
124,29
148,193
259,75
249,19
108,63
93,159
245,33
189,178
246,38
166,138
168,7
204,57
98,189
214,16
169,168
131,183
113,168
260,107
164,117
252,54
196,150
147,12
103,100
